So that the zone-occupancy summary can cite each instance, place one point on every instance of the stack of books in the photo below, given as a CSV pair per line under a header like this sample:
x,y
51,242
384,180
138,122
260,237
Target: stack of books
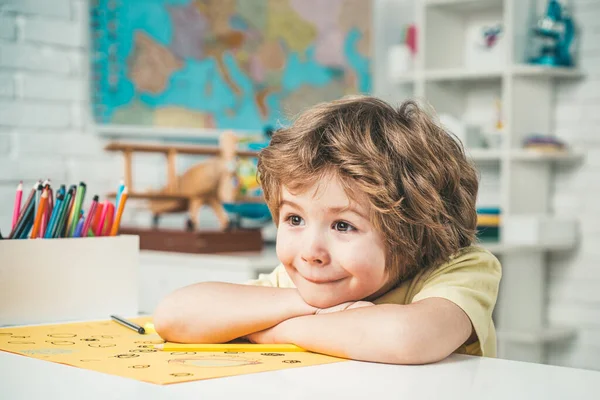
x,y
488,223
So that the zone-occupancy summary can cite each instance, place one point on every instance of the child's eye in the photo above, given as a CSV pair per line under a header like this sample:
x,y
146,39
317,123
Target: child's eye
x,y
342,226
295,220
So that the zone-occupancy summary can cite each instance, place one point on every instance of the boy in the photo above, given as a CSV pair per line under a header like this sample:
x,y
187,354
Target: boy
x,y
375,209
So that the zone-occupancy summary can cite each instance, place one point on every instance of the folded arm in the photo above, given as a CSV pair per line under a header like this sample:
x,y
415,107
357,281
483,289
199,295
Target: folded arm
x,y
422,332
213,312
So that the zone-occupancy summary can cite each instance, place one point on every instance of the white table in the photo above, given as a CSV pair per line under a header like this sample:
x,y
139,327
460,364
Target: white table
x,y
458,377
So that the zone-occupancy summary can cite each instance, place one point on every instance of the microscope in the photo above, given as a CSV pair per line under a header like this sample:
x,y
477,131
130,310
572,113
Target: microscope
x,y
553,37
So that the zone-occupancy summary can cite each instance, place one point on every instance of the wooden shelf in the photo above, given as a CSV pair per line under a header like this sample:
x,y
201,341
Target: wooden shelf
x,y
500,248
166,149
461,74
465,74
533,155
547,335
484,155
524,155
168,196
465,5
156,132
542,71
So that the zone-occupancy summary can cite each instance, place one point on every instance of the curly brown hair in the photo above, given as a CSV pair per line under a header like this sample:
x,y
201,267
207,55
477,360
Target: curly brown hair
x,y
420,186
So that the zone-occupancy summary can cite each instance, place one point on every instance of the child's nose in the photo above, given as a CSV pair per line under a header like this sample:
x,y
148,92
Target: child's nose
x,y
315,253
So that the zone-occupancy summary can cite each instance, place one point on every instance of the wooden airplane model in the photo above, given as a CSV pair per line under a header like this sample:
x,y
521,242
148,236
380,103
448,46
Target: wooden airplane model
x,y
211,183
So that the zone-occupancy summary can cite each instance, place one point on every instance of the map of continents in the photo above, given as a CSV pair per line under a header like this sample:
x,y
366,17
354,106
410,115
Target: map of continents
x,y
237,64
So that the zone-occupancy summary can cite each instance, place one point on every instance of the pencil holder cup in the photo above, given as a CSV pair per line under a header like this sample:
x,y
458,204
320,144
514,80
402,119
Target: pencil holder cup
x,y
56,280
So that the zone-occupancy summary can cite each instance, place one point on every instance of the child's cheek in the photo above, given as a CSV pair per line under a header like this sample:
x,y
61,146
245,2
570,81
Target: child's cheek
x,y
285,245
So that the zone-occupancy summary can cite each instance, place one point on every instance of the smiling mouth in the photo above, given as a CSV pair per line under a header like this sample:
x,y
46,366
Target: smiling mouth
x,y
322,281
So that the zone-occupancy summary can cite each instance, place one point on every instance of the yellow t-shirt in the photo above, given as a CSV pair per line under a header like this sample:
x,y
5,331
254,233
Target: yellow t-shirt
x,y
470,279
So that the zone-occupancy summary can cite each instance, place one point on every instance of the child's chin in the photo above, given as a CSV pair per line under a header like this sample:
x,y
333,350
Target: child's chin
x,y
317,300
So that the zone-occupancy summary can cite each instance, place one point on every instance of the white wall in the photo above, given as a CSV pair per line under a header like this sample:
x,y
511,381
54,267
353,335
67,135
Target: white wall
x,y
574,294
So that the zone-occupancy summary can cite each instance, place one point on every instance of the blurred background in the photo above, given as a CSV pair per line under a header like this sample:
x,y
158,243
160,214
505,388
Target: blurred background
x,y
113,91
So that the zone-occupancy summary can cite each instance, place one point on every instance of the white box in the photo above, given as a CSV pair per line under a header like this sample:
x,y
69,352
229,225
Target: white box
x,y
539,230
56,280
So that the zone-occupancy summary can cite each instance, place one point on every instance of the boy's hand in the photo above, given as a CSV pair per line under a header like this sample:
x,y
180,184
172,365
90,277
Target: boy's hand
x,y
344,306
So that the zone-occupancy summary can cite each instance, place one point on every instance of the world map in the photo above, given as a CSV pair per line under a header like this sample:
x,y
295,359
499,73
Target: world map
x,y
226,64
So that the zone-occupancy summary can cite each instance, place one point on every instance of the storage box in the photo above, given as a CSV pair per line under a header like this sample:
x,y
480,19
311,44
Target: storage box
x,y
54,280
539,230
197,242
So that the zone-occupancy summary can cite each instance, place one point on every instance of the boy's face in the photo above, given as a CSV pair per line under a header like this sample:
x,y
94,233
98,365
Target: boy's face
x,y
328,246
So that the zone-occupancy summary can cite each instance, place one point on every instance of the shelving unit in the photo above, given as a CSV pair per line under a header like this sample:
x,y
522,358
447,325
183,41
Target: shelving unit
x,y
516,179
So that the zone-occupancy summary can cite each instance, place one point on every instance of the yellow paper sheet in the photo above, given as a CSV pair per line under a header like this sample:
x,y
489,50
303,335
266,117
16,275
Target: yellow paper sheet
x,y
108,347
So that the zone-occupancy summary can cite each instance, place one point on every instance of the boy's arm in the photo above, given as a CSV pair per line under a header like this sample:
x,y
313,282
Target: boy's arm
x,y
418,333
213,312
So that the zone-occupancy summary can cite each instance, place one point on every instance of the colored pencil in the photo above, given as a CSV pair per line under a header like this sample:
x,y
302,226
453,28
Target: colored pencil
x,y
119,214
50,200
110,217
79,227
119,193
50,207
17,207
63,214
90,216
53,217
246,347
24,223
39,215
44,223
100,226
25,209
38,195
28,225
71,213
96,219
77,207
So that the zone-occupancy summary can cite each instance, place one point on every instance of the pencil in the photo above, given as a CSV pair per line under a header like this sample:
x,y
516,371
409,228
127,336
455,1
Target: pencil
x,y
119,214
100,226
77,207
119,193
48,213
24,209
40,213
129,324
38,195
96,218
79,228
110,216
55,212
28,225
247,347
50,201
17,209
90,216
59,224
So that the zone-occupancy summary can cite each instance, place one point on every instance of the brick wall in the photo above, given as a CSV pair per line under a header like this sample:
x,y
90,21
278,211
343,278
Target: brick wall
x,y
574,278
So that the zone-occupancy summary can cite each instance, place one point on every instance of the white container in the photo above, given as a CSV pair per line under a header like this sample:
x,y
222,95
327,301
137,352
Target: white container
x,y
539,230
56,280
